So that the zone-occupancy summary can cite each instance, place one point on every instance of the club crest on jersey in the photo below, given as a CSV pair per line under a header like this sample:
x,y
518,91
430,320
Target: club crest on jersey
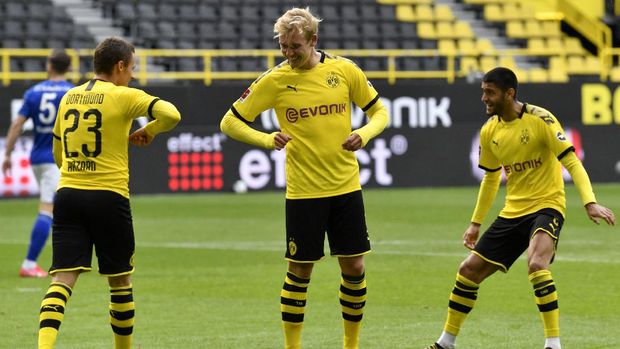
x,y
245,95
560,136
525,136
333,80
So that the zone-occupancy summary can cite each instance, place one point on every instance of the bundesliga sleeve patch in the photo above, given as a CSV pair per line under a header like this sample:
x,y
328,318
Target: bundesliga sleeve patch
x,y
560,136
245,95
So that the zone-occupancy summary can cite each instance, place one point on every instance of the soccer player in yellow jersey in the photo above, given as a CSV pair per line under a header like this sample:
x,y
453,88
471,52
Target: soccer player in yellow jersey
x,y
530,145
311,93
91,137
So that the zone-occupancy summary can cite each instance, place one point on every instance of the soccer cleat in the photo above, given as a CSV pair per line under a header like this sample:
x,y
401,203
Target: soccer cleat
x,y
35,272
434,346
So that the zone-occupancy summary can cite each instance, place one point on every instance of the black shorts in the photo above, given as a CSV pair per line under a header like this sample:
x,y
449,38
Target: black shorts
x,y
507,238
342,217
87,218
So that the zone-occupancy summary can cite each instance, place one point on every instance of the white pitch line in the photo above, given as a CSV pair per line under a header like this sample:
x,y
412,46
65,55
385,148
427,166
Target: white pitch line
x,y
378,248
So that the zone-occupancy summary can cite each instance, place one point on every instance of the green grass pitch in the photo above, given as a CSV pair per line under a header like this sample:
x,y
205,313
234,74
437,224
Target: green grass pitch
x,y
209,269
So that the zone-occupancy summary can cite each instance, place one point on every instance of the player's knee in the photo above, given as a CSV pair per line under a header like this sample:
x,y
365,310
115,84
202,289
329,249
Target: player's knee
x,y
536,264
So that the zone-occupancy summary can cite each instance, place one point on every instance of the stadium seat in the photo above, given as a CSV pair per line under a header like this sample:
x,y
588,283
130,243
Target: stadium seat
x,y
538,75
447,47
207,13
443,13
468,65
467,47
389,30
405,13
462,30
493,13
146,11
424,13
426,30
189,13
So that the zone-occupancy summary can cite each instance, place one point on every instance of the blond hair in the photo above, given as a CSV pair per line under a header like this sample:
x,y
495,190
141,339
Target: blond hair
x,y
297,19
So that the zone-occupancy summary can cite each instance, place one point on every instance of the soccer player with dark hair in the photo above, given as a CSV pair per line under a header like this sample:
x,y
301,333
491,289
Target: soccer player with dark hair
x,y
530,145
311,93
40,105
91,137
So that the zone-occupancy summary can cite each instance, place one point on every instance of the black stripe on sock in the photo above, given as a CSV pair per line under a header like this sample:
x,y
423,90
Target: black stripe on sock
x,y
465,294
354,279
56,295
543,308
293,288
293,302
297,279
119,299
289,317
352,305
542,284
459,307
122,331
545,291
122,315
63,286
354,318
354,293
465,287
49,323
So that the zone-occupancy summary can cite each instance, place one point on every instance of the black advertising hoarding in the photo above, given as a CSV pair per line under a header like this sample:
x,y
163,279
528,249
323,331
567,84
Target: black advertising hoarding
x,y
431,139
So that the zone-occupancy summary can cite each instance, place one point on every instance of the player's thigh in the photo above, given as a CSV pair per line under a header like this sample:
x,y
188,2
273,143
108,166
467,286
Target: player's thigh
x,y
545,234
347,231
503,242
47,176
113,234
71,241
306,222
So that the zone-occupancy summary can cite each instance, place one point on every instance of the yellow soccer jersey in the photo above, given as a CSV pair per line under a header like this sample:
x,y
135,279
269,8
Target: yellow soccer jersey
x,y
93,126
313,107
528,149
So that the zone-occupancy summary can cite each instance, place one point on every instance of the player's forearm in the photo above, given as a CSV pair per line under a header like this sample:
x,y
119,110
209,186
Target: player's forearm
x,y
57,151
239,130
166,118
580,177
378,120
486,195
11,138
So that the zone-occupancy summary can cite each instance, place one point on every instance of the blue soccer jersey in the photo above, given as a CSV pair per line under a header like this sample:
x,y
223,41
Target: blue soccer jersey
x,y
40,105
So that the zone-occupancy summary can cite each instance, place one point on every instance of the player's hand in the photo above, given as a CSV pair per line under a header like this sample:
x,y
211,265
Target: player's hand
x,y
6,166
280,140
140,138
596,211
352,143
470,237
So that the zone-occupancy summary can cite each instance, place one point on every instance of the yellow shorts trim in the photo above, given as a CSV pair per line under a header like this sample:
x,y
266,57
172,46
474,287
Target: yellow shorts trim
x,y
500,265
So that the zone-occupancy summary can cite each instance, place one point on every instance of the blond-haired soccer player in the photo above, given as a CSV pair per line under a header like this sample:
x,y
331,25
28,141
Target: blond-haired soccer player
x,y
91,137
311,93
529,143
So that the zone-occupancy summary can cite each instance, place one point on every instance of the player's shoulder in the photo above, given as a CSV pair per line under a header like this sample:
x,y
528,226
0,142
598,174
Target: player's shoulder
x,y
274,73
537,114
490,123
338,61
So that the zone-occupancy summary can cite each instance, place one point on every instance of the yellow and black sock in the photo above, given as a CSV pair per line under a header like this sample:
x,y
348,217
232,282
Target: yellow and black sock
x,y
292,306
52,313
122,310
462,300
352,298
547,301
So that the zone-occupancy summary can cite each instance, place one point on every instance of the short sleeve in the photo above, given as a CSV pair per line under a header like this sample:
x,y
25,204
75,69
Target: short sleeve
x,y
26,108
487,161
555,136
257,98
138,103
362,93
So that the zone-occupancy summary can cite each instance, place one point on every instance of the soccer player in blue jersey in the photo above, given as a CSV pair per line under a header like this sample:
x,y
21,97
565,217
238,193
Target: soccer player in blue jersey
x,y
529,144
40,105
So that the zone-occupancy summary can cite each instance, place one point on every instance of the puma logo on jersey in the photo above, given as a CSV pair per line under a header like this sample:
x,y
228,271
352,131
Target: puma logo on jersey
x,y
292,87
494,142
